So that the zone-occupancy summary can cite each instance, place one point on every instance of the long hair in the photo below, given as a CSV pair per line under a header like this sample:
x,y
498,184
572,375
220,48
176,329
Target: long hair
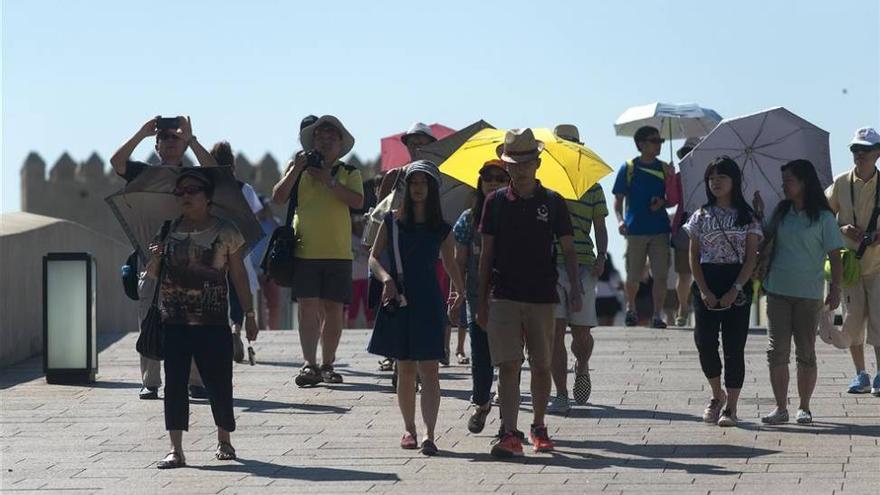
x,y
814,196
433,210
222,152
724,165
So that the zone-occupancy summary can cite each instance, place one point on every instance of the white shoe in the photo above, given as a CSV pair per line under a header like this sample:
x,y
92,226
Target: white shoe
x,y
778,416
804,417
559,405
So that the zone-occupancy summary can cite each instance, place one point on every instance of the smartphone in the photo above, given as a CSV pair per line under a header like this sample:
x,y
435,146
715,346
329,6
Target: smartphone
x,y
167,123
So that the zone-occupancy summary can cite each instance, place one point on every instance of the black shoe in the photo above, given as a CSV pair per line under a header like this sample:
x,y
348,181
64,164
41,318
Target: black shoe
x,y
477,421
149,393
198,392
308,376
658,323
631,319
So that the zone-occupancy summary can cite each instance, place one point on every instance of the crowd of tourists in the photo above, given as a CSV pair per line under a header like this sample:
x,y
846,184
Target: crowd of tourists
x,y
518,268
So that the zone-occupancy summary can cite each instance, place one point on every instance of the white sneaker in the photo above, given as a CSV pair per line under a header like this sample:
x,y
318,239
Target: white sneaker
x,y
778,416
559,405
804,417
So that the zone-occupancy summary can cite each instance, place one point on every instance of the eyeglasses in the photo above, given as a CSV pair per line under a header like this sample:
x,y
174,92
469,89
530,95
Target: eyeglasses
x,y
495,177
861,148
655,140
191,190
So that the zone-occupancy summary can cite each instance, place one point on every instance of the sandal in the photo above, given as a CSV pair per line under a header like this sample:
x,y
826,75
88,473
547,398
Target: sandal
x,y
462,358
308,376
386,365
408,441
225,451
330,376
429,448
173,460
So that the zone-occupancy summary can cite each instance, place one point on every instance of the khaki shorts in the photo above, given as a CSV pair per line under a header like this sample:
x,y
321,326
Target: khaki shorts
x,y
641,247
513,324
787,318
682,261
861,311
586,317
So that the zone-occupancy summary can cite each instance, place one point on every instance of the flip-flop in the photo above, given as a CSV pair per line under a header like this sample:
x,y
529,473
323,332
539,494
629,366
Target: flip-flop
x,y
462,358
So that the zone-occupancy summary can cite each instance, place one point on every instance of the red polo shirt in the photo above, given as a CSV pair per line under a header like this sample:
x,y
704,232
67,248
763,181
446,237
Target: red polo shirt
x,y
524,265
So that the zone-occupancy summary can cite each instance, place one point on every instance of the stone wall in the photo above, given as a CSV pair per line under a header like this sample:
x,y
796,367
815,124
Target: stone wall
x,y
24,240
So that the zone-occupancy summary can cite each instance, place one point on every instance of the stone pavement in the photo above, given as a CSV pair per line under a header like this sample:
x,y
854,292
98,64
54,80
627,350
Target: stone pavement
x,y
641,433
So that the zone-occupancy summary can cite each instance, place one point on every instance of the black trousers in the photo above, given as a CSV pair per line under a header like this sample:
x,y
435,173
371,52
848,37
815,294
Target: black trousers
x,y
732,324
211,347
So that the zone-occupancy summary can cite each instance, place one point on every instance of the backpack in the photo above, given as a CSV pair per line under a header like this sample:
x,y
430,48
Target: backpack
x,y
130,276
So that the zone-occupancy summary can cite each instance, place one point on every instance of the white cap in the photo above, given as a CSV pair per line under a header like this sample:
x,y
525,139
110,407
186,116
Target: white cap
x,y
866,136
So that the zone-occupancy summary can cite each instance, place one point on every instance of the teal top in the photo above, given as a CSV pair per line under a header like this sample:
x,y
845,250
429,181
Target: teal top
x,y
801,247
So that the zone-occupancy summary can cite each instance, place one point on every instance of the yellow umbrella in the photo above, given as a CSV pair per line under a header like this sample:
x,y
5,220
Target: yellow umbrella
x,y
566,167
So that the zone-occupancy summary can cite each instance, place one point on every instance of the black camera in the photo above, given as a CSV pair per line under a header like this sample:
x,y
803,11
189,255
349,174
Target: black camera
x,y
163,123
867,239
314,159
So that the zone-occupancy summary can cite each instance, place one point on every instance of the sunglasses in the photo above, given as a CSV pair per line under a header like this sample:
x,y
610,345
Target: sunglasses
x,y
861,148
495,177
191,190
655,140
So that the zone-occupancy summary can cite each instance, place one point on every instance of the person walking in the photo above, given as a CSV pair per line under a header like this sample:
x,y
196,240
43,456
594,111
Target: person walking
x,y
417,235
724,236
804,233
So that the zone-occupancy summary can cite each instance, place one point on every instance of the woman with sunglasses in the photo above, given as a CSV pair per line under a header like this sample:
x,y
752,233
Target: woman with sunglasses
x,y
493,176
724,236
191,264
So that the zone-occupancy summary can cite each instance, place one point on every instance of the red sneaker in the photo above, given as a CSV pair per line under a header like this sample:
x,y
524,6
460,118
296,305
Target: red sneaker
x,y
508,445
540,439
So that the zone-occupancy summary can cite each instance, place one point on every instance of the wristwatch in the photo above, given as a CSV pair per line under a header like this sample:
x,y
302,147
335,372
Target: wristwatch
x,y
192,138
738,287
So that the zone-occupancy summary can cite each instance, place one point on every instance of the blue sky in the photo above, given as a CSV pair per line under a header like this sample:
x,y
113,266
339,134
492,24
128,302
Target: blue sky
x,y
82,76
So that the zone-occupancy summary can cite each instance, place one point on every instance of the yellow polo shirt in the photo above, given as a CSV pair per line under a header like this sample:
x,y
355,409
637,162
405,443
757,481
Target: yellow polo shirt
x,y
842,204
322,222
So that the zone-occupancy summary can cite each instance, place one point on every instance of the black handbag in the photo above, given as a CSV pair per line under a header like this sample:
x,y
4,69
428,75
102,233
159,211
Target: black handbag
x,y
391,329
278,261
151,341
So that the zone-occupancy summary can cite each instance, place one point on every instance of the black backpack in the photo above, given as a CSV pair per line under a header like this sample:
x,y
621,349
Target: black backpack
x,y
130,276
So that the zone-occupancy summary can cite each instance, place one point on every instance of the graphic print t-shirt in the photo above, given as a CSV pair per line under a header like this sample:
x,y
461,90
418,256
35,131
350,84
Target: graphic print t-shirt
x,y
194,289
721,239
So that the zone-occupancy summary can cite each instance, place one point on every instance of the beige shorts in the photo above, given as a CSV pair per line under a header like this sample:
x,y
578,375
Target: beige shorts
x,y
513,324
586,317
641,247
861,310
792,318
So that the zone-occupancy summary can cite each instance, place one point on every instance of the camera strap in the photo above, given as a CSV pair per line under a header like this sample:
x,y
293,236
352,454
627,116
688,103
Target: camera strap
x,y
872,222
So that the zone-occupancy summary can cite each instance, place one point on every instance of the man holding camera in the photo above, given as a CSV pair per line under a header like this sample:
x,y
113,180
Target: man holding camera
x,y
173,136
855,198
326,189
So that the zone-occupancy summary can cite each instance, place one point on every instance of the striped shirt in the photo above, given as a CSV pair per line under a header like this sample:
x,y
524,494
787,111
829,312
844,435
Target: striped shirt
x,y
590,207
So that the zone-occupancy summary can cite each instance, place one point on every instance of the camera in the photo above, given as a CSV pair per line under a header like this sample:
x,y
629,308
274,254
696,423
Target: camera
x,y
867,239
314,159
167,123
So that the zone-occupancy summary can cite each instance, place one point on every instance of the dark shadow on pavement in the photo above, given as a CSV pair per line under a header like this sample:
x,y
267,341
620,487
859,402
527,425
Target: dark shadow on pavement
x,y
261,406
278,471
603,411
818,428
32,368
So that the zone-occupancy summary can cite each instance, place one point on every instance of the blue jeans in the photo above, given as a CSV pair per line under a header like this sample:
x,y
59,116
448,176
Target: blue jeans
x,y
482,371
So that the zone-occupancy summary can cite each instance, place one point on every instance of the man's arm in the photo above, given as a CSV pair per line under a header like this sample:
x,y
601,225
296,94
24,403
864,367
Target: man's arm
x,y
340,191
120,158
618,212
600,231
487,259
204,157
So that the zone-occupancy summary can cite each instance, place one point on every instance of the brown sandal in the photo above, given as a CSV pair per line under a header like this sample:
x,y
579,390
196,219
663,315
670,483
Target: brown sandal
x,y
225,451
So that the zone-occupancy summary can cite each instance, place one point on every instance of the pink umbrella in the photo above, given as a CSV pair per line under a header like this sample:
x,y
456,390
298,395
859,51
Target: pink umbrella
x,y
395,154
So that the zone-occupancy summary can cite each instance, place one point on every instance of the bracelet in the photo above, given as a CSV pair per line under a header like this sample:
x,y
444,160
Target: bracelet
x,y
250,313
